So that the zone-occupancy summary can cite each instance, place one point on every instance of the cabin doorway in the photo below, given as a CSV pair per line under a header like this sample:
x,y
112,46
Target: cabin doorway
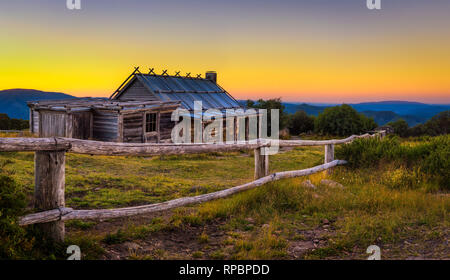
x,y
82,125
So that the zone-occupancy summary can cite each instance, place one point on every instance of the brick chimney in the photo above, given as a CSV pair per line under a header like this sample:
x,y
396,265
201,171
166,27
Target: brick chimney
x,y
212,76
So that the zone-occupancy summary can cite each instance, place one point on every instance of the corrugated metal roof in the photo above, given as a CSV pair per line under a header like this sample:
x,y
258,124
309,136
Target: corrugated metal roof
x,y
187,90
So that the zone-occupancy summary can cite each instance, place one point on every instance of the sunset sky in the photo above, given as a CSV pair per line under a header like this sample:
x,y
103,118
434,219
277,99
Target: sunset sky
x,y
300,50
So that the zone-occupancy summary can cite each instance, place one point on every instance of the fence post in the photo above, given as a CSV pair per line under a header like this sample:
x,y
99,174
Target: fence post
x,y
49,189
329,153
261,164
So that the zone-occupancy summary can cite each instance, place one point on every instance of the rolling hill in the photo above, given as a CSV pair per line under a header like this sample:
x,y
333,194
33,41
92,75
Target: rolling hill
x,y
420,111
383,117
14,101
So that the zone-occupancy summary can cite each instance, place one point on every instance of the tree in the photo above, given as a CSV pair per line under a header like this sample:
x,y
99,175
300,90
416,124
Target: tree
x,y
300,122
438,125
342,121
6,123
270,104
400,127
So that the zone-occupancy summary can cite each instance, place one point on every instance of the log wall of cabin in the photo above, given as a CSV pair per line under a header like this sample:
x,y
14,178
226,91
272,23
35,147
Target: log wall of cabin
x,y
105,126
52,124
133,124
137,91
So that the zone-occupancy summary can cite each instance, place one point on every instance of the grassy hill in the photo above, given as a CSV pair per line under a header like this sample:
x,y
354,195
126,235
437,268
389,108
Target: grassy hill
x,y
13,102
287,219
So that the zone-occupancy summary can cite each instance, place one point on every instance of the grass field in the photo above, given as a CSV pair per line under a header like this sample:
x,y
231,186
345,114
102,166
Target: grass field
x,y
281,220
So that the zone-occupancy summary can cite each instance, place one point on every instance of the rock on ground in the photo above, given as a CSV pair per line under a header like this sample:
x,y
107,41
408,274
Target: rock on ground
x,y
308,184
331,183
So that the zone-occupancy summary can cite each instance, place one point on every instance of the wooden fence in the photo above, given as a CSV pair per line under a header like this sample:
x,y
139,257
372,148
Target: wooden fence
x,y
50,154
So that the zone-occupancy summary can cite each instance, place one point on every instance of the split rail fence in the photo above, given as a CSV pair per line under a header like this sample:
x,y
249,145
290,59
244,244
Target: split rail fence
x,y
50,157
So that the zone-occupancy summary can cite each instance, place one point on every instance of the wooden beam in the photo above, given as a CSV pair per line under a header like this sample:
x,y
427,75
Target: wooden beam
x,y
112,148
136,69
297,143
30,120
91,126
33,144
151,149
120,128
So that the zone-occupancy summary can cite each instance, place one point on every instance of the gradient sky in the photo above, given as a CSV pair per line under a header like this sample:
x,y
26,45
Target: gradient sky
x,y
300,50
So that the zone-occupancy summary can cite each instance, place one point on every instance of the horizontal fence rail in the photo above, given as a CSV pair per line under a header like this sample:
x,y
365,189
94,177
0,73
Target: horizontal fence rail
x,y
50,173
137,149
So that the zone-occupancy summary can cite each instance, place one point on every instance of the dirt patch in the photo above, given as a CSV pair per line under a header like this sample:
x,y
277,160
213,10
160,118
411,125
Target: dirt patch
x,y
310,241
179,243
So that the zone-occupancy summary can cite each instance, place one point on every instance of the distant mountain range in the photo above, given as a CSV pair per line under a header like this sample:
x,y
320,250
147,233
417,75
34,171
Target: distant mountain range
x,y
14,103
384,117
382,112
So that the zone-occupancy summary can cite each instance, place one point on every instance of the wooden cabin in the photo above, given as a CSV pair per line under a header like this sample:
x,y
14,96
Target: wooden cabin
x,y
103,119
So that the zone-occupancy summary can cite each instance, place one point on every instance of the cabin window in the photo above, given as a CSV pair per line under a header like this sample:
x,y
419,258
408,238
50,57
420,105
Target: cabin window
x,y
150,122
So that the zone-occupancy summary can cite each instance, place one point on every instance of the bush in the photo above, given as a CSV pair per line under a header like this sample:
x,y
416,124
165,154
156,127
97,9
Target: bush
x,y
14,243
368,152
438,125
269,105
400,127
343,121
6,123
300,122
437,161
431,158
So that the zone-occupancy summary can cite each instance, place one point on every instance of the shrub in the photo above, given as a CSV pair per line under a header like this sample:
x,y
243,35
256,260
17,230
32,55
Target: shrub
x,y
270,104
437,161
14,242
369,152
342,121
400,127
431,158
438,125
300,122
6,123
